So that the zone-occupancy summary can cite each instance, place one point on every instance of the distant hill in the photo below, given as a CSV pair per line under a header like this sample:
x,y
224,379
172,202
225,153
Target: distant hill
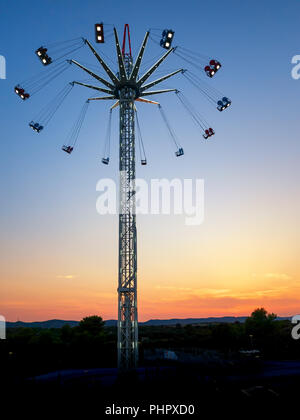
x,y
52,323
58,323
186,321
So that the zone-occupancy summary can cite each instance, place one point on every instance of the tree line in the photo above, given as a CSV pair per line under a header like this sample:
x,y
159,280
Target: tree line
x,y
32,351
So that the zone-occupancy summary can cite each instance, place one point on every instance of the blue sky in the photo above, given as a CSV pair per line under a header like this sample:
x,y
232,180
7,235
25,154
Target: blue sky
x,y
250,167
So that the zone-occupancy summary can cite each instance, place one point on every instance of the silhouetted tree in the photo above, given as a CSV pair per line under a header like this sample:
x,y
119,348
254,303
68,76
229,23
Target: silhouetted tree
x,y
93,325
260,315
260,327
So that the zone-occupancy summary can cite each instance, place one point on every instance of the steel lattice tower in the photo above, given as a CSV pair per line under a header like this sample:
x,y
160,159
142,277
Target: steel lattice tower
x,y
127,284
127,87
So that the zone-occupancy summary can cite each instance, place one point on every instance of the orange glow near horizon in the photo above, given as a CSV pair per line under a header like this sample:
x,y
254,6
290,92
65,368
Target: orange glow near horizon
x,y
210,270
163,303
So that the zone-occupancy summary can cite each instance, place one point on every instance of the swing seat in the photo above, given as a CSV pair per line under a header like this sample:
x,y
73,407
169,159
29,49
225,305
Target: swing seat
x,y
179,152
223,104
36,126
43,56
209,71
67,149
220,106
226,101
105,161
216,65
167,38
143,162
208,133
41,51
21,93
213,67
46,60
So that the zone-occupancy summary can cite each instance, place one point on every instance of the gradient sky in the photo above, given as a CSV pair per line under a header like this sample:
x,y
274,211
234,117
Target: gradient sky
x,y
59,257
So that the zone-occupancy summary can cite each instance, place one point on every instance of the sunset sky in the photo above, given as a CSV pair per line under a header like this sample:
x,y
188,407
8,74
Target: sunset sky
x,y
59,257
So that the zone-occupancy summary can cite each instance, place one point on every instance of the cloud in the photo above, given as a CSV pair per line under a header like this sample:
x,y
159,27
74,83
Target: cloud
x,y
174,288
277,276
186,294
67,276
194,291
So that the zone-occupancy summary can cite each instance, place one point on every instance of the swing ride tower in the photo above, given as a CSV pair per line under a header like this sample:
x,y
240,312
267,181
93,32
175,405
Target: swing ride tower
x,y
125,88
